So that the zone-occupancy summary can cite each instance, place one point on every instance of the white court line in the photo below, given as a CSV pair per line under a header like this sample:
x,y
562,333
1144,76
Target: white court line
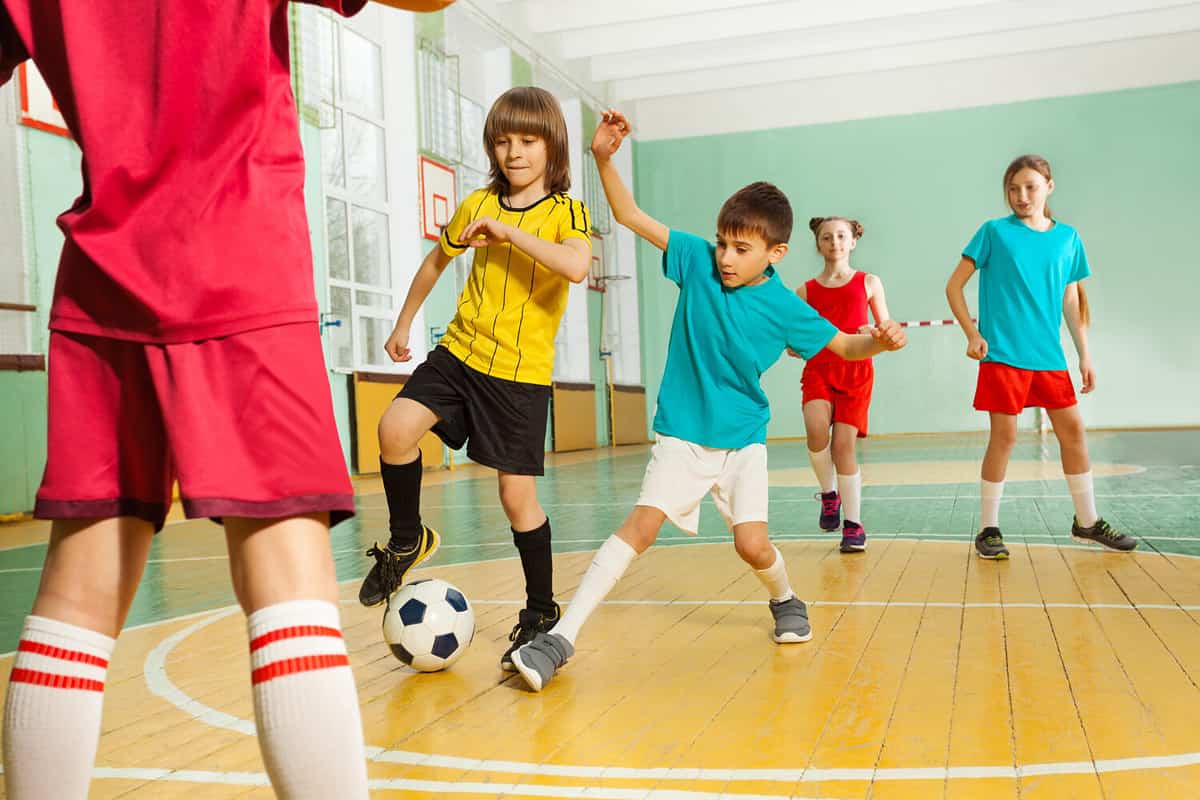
x,y
156,678
435,787
670,540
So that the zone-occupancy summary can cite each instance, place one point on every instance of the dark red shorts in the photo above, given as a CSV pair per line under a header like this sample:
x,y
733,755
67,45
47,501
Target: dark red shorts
x,y
244,423
1009,390
846,385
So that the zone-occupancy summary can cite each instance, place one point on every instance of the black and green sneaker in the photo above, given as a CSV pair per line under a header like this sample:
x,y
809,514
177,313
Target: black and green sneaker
x,y
1103,533
990,544
529,624
392,567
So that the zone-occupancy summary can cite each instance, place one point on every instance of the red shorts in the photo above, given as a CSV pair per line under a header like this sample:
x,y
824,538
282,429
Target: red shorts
x,y
846,385
1009,390
243,422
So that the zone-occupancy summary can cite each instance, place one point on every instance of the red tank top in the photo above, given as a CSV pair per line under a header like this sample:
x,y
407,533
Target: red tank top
x,y
845,306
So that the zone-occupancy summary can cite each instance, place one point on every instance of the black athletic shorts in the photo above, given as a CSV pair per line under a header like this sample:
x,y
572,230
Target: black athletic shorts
x,y
503,423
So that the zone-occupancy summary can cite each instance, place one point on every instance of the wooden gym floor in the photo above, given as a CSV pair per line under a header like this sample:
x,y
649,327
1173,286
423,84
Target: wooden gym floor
x,y
1065,672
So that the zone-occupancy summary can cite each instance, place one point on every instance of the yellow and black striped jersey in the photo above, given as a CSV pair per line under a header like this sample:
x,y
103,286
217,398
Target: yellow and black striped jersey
x,y
509,311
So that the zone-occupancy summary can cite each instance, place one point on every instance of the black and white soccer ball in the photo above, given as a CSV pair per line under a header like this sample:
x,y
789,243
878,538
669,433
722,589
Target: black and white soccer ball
x,y
428,624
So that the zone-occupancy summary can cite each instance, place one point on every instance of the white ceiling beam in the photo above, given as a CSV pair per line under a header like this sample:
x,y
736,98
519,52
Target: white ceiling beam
x,y
1105,67
714,26
552,16
967,48
769,47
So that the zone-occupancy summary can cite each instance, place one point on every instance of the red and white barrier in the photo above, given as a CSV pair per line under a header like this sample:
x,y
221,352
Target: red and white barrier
x,y
930,323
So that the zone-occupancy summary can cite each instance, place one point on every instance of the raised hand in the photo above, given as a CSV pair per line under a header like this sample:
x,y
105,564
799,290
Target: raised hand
x,y
613,129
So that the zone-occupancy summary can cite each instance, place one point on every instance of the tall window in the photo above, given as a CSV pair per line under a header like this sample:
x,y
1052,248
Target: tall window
x,y
358,215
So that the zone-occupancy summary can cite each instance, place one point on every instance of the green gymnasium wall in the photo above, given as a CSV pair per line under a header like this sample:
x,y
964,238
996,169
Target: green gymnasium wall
x,y
1127,169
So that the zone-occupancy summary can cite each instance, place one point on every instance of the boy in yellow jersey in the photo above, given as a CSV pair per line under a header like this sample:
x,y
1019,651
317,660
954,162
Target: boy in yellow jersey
x,y
487,384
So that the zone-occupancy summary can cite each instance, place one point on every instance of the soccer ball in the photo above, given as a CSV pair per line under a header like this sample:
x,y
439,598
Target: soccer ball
x,y
428,624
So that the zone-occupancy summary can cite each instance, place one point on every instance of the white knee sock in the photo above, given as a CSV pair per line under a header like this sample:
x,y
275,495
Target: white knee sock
x,y
1084,496
305,703
608,565
822,464
851,489
775,578
989,496
52,714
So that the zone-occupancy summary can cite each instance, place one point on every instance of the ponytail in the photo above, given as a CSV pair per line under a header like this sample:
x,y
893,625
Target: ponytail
x,y
1085,313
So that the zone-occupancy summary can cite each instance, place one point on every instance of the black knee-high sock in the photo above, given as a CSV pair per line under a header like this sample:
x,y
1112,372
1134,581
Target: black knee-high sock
x,y
402,485
537,561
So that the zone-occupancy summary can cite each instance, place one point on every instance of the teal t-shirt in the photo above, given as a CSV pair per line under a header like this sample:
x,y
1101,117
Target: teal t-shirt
x,y
1023,275
722,341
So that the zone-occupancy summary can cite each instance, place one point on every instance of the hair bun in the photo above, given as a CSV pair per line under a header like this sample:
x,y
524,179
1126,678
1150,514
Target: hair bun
x,y
815,223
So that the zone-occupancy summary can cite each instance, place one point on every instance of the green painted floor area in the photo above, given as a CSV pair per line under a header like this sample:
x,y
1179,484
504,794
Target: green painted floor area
x,y
587,501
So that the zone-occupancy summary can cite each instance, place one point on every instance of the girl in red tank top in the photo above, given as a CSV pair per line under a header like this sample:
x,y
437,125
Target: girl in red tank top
x,y
837,392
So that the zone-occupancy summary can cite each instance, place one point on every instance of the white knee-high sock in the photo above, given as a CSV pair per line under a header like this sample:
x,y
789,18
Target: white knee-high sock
x,y
822,464
990,494
851,489
305,703
52,714
1083,494
608,565
775,577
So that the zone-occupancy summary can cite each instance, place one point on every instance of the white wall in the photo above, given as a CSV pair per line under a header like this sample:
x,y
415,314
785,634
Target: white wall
x,y
1131,63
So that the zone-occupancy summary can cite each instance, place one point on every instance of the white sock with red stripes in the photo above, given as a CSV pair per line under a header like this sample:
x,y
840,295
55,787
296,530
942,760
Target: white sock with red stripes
x,y
52,714
305,703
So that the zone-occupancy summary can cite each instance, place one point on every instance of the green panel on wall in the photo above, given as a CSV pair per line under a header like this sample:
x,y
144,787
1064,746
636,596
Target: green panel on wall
x,y
1127,171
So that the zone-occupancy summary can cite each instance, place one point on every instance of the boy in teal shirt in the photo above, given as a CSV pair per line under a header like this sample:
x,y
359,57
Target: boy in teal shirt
x,y
733,320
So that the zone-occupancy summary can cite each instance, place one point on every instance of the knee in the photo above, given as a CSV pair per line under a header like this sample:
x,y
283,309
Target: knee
x,y
1071,434
1004,439
757,552
396,434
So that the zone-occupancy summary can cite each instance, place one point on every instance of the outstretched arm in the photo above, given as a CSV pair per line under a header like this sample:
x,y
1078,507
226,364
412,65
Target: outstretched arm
x,y
888,335
1079,335
977,346
613,129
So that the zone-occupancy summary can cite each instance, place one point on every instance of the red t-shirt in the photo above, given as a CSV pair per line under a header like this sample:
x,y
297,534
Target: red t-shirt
x,y
191,224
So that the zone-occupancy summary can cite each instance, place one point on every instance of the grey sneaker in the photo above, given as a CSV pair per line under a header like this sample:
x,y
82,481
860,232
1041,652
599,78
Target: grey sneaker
x,y
540,659
990,544
529,624
791,621
1105,534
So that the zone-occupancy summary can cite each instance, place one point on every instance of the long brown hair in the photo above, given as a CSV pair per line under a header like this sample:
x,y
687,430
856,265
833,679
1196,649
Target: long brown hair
x,y
1042,166
528,109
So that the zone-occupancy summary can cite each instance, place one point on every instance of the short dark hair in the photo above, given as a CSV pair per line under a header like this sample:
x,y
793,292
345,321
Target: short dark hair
x,y
760,208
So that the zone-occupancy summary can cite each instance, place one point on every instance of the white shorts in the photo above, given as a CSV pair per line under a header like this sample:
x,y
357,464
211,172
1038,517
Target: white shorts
x,y
681,473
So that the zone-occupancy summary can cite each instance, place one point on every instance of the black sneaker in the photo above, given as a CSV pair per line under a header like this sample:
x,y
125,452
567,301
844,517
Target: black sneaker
x,y
1105,534
831,510
989,544
854,538
529,624
391,568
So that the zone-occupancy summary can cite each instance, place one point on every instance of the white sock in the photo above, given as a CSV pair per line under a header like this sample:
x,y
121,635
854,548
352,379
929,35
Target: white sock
x,y
851,489
608,565
775,578
52,714
989,495
822,464
305,703
1083,494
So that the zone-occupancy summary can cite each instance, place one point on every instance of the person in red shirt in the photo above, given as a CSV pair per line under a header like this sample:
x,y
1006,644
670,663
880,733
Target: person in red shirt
x,y
184,346
837,392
